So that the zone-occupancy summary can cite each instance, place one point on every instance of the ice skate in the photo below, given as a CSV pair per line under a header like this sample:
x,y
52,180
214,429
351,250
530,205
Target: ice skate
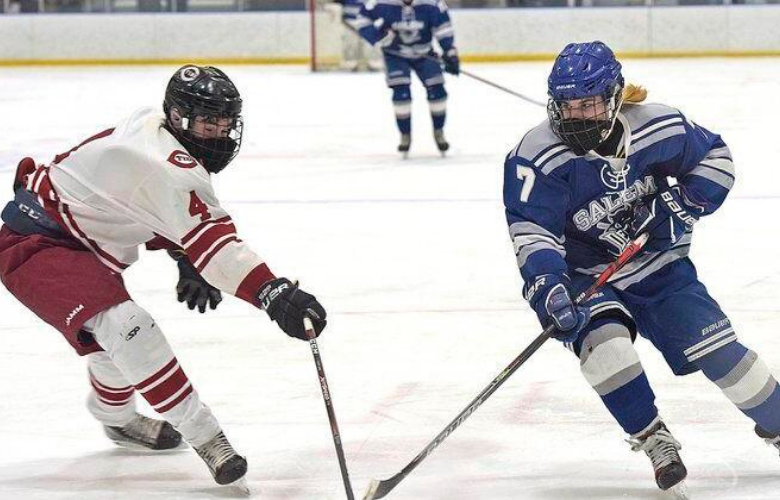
x,y
441,142
772,439
226,466
145,433
405,144
663,451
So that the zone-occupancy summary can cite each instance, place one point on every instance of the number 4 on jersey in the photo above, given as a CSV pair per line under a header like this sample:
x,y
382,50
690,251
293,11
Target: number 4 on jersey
x,y
527,175
198,208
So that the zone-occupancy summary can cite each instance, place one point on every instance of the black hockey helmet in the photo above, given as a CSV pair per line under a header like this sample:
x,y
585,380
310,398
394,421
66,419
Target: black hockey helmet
x,y
204,93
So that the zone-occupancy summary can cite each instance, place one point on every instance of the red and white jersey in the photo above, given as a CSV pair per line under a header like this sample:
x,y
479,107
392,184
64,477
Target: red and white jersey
x,y
127,185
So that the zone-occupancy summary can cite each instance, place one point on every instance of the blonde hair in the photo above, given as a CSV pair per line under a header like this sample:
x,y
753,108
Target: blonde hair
x,y
634,94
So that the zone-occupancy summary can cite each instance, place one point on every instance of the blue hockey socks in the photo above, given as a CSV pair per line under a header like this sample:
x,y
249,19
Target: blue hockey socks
x,y
437,102
745,379
402,104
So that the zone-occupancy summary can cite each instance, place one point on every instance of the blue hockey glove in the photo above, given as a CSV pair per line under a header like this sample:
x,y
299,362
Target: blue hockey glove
x,y
665,217
451,62
550,297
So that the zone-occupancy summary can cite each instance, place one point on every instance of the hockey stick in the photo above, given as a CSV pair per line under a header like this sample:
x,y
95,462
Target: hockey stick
x,y
334,426
479,79
500,87
379,489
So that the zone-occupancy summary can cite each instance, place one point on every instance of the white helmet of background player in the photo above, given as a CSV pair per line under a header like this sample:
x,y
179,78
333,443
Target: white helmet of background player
x,y
585,94
203,111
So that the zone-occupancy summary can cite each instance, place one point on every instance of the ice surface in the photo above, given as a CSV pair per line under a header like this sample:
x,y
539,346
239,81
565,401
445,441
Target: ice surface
x,y
413,262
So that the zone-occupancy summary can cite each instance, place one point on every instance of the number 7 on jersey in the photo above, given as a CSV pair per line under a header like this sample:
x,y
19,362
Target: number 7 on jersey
x,y
527,175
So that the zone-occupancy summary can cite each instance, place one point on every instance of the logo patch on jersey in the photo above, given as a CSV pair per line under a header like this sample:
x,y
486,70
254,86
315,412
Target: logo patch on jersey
x,y
182,160
614,180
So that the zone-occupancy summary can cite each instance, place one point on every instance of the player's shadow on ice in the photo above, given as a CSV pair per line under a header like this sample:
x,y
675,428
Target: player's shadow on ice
x,y
747,486
115,473
603,493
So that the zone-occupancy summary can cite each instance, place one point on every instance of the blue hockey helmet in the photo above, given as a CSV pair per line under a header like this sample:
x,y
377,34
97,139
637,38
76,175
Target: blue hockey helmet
x,y
585,93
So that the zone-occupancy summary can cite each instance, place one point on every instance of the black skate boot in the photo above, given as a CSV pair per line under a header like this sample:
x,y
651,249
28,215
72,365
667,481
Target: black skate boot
x,y
441,142
662,449
405,144
767,436
145,432
225,464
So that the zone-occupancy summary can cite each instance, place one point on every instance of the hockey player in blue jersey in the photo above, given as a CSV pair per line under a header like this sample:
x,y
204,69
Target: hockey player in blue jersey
x,y
597,173
405,29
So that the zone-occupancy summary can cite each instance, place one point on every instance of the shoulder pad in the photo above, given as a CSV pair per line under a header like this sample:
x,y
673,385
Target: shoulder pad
x,y
640,116
652,123
543,149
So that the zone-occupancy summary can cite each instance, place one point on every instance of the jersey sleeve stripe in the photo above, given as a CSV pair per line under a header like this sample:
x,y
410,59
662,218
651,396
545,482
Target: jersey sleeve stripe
x,y
723,152
530,239
725,165
525,227
218,245
361,22
202,244
201,228
252,283
524,252
713,175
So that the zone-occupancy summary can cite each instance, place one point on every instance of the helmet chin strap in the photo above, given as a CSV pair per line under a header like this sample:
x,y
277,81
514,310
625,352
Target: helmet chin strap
x,y
618,107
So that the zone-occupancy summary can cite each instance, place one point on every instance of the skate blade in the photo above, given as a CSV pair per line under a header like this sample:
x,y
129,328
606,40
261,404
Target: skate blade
x,y
143,449
405,155
239,487
678,492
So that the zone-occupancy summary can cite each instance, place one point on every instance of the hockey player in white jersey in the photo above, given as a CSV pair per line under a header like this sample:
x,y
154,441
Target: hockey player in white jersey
x,y
76,224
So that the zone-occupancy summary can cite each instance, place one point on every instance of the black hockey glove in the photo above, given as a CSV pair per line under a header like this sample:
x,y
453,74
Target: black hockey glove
x,y
665,217
287,304
451,62
192,288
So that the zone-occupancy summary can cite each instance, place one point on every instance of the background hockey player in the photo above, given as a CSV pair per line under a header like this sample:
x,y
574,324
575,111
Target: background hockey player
x,y
76,224
405,29
598,173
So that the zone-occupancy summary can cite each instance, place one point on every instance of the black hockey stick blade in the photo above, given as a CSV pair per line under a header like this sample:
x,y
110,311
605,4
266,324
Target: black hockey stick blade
x,y
379,489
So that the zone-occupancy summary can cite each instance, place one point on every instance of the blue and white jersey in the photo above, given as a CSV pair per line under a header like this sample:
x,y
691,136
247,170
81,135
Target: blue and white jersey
x,y
568,212
414,25
350,12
